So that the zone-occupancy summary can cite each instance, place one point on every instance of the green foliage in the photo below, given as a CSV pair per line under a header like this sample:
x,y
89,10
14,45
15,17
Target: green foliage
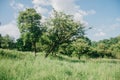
x,y
115,49
66,49
107,48
29,26
61,29
23,47
80,47
7,42
60,33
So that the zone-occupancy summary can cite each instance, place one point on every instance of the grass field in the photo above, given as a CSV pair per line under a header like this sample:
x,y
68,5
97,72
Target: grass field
x,y
16,65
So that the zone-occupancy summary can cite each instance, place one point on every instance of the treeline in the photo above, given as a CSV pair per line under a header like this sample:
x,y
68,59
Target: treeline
x,y
108,47
58,34
7,42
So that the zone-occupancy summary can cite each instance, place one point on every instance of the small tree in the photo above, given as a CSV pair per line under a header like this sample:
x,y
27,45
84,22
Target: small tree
x,y
66,49
80,47
21,47
29,26
7,42
115,49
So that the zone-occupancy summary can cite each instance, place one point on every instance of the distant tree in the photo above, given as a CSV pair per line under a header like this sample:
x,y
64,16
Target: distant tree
x,y
66,49
73,47
61,29
81,47
106,48
7,42
19,44
115,49
21,47
30,26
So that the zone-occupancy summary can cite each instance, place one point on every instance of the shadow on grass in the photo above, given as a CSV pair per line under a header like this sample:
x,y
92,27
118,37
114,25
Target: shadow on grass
x,y
114,61
101,55
66,59
108,61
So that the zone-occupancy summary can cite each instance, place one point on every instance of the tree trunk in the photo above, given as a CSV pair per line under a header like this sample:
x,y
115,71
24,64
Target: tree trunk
x,y
46,55
34,47
50,50
78,55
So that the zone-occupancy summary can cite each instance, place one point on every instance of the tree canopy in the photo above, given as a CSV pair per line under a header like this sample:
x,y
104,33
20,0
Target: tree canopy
x,y
29,26
60,33
62,29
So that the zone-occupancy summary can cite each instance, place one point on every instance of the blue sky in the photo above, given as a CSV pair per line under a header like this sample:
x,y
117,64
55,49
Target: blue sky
x,y
102,15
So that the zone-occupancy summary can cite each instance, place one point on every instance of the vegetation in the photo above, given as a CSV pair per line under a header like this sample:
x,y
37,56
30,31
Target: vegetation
x,y
29,26
72,55
16,65
108,47
7,42
61,29
59,34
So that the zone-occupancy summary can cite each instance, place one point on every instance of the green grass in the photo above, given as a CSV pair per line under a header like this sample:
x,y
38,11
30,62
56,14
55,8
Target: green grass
x,y
16,65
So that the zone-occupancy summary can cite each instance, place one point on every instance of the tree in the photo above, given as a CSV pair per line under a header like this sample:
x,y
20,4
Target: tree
x,y
21,47
61,29
29,26
7,42
115,49
81,46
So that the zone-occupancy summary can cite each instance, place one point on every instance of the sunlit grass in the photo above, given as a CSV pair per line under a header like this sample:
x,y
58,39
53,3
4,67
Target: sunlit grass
x,y
25,66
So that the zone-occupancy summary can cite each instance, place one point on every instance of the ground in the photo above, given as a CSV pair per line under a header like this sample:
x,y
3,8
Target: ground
x,y
15,65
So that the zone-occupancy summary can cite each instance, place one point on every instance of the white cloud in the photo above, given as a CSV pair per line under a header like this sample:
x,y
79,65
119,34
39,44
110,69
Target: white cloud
x,y
10,29
116,25
41,9
91,12
68,6
100,34
118,19
41,2
41,6
17,6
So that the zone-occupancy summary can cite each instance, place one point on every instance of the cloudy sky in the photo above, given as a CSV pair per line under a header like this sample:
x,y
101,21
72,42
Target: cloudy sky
x,y
102,15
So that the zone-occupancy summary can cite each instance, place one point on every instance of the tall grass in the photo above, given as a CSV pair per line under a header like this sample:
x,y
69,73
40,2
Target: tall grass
x,y
16,65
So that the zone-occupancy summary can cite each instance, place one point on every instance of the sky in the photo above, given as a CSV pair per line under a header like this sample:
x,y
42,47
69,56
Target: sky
x,y
102,15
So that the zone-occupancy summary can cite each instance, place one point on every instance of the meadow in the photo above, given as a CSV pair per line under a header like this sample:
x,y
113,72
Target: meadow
x,y
16,65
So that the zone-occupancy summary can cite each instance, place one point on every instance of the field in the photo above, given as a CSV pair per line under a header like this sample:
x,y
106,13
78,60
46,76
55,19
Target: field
x,y
16,65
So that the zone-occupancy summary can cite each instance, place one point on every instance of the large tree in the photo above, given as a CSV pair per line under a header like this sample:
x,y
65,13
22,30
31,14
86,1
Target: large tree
x,y
61,29
29,26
